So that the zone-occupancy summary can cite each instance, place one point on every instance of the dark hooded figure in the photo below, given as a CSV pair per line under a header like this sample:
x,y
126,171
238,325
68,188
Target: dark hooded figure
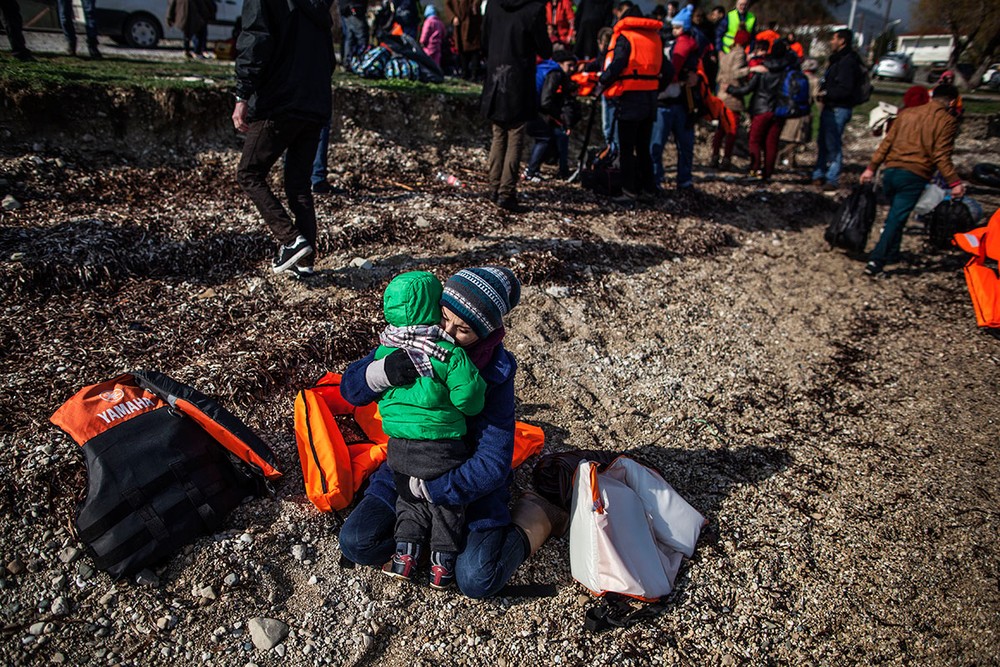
x,y
514,36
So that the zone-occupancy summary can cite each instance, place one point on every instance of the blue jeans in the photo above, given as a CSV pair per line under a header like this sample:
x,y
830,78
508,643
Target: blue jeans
x,y
485,564
319,163
65,9
830,158
355,38
608,126
673,119
903,188
544,135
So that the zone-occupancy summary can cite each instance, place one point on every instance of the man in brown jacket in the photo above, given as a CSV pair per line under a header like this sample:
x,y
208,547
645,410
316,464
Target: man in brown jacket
x,y
920,142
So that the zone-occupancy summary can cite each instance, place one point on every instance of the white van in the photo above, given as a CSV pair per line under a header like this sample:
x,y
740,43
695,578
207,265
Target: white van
x,y
143,23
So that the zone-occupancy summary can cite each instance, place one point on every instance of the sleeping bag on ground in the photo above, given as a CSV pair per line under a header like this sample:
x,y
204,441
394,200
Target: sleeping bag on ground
x,y
407,47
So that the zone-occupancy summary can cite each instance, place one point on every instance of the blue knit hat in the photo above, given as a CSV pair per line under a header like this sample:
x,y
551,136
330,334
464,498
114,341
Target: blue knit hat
x,y
683,18
429,11
482,296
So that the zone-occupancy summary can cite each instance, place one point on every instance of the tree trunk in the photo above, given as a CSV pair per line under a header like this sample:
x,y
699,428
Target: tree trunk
x,y
985,59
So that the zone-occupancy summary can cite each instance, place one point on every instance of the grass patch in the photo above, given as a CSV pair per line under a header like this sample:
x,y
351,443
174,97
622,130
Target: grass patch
x,y
52,72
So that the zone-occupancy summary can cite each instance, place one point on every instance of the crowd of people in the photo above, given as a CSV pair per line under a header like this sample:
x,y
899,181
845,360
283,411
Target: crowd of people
x,y
654,79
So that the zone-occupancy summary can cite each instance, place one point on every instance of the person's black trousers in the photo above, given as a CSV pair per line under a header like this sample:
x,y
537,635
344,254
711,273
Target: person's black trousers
x,y
634,137
14,25
416,519
265,141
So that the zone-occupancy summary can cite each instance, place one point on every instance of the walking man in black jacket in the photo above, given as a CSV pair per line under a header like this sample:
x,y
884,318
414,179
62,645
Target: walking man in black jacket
x,y
283,66
514,35
838,92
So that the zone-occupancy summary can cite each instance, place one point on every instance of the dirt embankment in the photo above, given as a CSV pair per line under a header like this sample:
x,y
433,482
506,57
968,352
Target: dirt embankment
x,y
838,432
150,125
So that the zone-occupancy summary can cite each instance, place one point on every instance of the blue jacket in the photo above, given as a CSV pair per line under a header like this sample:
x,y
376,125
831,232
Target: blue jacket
x,y
482,483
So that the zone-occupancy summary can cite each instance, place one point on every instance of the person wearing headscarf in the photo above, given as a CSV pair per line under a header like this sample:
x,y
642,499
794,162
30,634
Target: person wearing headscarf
x,y
498,540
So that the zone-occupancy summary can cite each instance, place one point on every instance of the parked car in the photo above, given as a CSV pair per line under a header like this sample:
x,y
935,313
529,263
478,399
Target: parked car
x,y
898,66
938,68
991,78
143,23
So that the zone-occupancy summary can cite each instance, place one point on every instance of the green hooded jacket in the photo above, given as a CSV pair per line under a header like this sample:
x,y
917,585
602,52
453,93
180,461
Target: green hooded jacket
x,y
433,408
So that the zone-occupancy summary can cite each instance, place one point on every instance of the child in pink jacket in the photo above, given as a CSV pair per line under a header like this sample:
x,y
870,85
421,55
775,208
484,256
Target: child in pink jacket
x,y
433,34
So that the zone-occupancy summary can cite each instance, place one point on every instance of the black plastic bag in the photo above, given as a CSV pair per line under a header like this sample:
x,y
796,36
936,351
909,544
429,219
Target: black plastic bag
x,y
602,174
850,229
948,218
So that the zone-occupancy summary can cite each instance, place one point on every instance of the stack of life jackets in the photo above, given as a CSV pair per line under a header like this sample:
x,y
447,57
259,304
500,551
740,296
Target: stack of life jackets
x,y
983,244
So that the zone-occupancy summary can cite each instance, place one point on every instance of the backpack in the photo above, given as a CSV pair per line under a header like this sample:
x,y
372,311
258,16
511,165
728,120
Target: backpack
x,y
948,218
601,173
165,466
371,64
793,100
850,229
402,68
542,71
629,530
865,87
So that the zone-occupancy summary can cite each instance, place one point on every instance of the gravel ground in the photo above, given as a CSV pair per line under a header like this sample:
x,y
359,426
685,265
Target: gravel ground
x,y
837,431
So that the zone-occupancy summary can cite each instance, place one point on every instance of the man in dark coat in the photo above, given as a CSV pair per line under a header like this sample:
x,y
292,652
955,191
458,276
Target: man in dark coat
x,y
591,16
467,21
284,60
838,91
514,35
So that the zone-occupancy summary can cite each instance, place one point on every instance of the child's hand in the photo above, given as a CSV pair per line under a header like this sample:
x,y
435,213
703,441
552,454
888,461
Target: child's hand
x,y
419,489
399,369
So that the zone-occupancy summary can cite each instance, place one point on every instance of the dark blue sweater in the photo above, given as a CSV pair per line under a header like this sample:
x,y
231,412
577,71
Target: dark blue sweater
x,y
481,483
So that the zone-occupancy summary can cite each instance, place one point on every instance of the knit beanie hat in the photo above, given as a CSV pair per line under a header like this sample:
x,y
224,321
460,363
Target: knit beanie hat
x,y
482,296
742,37
429,11
683,18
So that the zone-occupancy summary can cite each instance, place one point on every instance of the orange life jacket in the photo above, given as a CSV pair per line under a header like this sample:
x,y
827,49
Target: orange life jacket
x,y
983,243
334,470
644,62
769,36
100,407
585,83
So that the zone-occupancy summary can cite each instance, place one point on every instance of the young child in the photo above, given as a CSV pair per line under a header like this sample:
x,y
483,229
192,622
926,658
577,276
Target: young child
x,y
425,423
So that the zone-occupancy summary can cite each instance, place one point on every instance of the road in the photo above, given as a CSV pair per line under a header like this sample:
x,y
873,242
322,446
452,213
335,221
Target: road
x,y
54,42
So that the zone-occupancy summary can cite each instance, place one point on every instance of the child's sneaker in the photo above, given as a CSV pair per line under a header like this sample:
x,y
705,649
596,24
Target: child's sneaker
x,y
442,569
441,577
401,566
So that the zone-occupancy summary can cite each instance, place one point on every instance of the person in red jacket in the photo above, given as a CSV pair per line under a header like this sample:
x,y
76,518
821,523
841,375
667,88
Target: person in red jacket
x,y
560,17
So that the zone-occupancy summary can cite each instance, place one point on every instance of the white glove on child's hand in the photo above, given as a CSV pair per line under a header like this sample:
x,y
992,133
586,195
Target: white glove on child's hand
x,y
419,489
